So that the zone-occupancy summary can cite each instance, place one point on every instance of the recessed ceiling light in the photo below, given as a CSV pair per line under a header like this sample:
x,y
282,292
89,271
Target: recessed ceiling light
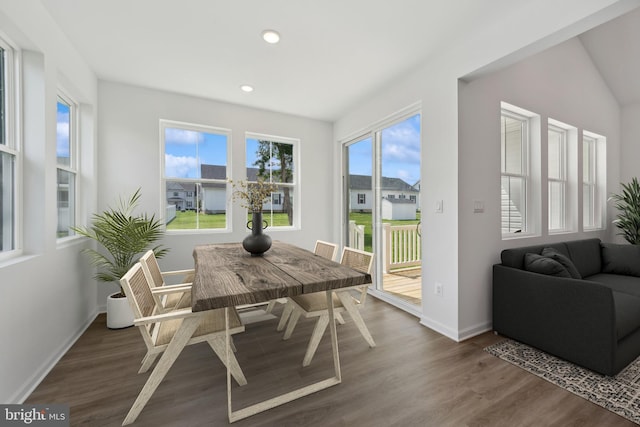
x,y
271,36
246,88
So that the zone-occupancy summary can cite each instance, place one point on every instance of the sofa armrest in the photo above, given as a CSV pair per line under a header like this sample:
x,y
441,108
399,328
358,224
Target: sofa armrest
x,y
571,318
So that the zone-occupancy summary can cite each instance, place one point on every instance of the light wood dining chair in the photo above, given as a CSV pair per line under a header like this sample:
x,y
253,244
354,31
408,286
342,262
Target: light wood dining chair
x,y
315,304
167,297
325,250
168,333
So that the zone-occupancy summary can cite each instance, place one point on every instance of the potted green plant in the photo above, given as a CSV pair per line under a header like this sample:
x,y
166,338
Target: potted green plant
x,y
122,237
628,205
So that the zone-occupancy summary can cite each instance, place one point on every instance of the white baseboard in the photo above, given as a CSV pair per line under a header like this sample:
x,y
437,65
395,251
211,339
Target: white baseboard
x,y
39,375
456,335
439,328
475,330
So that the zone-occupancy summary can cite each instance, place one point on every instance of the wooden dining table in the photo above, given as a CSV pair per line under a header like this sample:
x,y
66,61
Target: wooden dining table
x,y
228,276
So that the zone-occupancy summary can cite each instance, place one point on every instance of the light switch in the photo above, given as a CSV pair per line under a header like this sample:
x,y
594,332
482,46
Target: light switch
x,y
439,204
478,206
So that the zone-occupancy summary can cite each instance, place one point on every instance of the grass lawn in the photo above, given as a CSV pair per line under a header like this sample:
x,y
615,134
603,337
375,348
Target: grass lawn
x,y
187,220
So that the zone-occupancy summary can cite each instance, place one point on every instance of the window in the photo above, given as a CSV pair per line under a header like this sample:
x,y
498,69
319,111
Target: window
x,y
557,178
276,198
274,159
66,165
195,175
593,181
362,198
514,134
9,160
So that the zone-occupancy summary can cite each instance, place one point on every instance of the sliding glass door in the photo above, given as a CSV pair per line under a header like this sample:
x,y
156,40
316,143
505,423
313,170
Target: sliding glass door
x,y
382,205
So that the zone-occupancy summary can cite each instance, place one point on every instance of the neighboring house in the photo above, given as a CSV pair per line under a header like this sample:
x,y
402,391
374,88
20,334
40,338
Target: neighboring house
x,y
361,194
212,197
182,195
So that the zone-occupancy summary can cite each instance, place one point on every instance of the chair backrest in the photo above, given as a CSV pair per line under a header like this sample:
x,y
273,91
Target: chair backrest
x,y
326,250
136,288
361,261
357,259
152,269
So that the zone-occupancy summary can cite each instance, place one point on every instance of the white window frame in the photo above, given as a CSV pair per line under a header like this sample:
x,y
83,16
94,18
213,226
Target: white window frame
x,y
595,183
171,124
72,168
561,180
295,185
11,147
524,168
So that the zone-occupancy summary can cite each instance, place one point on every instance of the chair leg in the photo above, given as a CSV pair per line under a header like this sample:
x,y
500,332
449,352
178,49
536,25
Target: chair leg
x,y
286,312
347,302
318,332
270,306
147,362
293,321
339,318
219,347
173,350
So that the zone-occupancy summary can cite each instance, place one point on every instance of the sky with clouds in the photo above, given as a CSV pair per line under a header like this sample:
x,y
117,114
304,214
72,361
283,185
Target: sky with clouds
x,y
62,134
400,152
185,150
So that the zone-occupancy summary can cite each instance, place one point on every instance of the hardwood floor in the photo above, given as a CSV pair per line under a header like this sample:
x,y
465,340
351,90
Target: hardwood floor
x,y
413,377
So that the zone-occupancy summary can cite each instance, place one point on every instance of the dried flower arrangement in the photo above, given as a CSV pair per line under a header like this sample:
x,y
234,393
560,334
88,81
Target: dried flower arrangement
x,y
252,195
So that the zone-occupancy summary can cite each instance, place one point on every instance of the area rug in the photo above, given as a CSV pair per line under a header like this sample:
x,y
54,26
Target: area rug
x,y
619,394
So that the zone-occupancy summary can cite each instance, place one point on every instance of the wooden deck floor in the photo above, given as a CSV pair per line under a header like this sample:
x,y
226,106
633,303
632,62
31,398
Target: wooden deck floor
x,y
405,284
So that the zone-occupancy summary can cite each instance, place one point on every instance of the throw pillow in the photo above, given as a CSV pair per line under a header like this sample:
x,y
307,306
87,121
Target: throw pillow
x,y
544,265
620,259
562,259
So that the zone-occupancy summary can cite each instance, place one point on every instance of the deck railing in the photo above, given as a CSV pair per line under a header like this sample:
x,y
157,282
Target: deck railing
x,y
402,247
356,235
401,244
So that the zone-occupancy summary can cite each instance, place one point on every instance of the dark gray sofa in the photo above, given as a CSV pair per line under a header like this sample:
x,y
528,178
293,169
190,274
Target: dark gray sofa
x,y
592,321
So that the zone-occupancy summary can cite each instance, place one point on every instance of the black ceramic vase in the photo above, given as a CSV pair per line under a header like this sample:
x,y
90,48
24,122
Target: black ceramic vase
x,y
257,243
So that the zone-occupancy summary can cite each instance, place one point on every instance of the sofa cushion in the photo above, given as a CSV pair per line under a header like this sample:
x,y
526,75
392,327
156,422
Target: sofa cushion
x,y
627,313
620,259
618,282
562,259
514,257
585,255
544,265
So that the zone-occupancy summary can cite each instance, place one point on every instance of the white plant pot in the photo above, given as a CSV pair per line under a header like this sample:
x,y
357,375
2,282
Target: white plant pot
x,y
119,314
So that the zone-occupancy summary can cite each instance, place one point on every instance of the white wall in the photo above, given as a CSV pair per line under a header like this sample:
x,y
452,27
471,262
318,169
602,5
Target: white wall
x,y
519,31
560,83
48,294
129,157
630,154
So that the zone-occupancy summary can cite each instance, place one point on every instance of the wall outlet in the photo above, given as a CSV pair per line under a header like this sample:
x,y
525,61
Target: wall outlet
x,y
437,289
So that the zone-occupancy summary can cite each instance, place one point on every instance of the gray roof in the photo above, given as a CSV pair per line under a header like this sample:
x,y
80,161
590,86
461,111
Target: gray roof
x,y
363,182
220,172
180,186
398,201
356,182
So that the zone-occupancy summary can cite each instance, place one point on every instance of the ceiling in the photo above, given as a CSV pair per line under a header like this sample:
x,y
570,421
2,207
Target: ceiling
x,y
332,54
614,48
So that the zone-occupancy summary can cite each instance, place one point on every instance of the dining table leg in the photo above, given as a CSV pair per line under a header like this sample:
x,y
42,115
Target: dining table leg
x,y
292,395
